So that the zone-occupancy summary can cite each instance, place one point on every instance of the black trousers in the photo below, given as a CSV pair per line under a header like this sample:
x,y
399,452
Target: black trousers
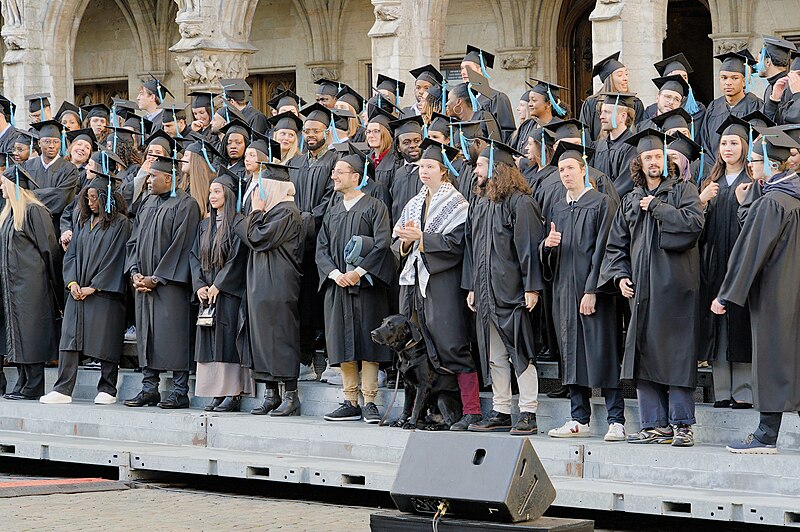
x,y
152,377
30,381
68,374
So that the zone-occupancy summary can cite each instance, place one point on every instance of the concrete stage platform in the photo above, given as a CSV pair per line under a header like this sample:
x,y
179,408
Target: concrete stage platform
x,y
703,482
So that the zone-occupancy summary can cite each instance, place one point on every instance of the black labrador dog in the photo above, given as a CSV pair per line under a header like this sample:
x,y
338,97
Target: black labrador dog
x,y
424,386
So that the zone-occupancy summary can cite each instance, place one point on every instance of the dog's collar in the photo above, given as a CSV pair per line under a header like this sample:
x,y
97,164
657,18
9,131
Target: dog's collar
x,y
412,343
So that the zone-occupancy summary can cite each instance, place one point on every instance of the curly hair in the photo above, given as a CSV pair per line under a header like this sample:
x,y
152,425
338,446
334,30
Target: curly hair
x,y
640,179
506,180
118,205
129,154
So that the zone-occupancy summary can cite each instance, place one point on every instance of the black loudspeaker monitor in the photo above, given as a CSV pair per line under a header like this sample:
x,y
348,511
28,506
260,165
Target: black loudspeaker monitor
x,y
480,476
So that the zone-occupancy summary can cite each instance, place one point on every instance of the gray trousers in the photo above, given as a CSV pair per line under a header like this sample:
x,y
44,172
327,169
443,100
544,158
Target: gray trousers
x,y
151,378
661,405
732,380
68,374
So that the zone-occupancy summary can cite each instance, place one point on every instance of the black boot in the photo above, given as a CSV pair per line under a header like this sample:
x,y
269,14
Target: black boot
x,y
271,402
230,404
289,407
144,399
214,404
559,393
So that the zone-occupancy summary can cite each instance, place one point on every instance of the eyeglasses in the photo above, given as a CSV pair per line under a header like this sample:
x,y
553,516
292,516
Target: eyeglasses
x,y
342,172
49,142
373,131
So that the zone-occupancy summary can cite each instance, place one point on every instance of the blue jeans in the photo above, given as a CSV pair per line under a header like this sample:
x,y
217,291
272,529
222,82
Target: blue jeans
x,y
579,397
661,405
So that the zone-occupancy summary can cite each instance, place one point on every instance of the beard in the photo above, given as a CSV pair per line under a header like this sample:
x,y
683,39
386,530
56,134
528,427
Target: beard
x,y
655,172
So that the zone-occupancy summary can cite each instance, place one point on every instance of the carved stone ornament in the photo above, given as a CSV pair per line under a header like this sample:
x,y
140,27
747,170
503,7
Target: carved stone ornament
x,y
203,68
330,73
517,60
387,13
190,30
729,45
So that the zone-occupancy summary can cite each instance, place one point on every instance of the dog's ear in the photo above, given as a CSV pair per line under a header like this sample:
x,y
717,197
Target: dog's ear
x,y
416,332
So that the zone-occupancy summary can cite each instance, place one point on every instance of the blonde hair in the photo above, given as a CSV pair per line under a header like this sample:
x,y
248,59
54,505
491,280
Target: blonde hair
x,y
17,206
293,149
197,180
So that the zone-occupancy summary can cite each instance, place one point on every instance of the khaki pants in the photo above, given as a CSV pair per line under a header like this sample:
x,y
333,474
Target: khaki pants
x,y
500,368
369,381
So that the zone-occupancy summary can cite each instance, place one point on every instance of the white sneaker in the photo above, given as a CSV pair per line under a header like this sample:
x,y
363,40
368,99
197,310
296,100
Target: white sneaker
x,y
104,398
571,429
130,334
328,372
381,379
55,398
336,378
616,432
307,373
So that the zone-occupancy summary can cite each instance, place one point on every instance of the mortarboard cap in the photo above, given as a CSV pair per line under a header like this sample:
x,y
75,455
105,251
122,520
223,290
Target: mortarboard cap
x,y
479,83
101,154
396,87
37,101
380,116
378,100
734,62
318,113
427,73
677,118
412,124
479,57
48,129
570,150
100,110
674,83
235,88
792,130
9,107
648,140
173,109
69,108
286,98
683,144
202,98
161,138
228,179
265,145
503,153
566,129
237,126
155,86
437,152
541,87
348,95
440,123
624,99
83,134
779,144
25,137
22,178
607,66
779,50
286,120
357,158
668,65
274,171
327,87
166,165
733,125
757,118
200,144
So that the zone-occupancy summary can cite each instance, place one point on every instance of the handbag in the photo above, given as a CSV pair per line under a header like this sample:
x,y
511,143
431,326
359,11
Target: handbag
x,y
205,318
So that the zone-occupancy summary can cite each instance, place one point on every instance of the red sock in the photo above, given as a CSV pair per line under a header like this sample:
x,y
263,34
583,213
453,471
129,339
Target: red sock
x,y
468,386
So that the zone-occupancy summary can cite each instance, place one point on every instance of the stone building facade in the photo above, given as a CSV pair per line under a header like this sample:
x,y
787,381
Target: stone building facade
x,y
89,50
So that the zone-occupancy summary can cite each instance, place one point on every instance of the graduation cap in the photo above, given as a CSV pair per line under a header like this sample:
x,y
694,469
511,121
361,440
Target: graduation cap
x,y
379,101
427,73
231,113
203,99
161,138
102,183
795,66
774,145
440,123
167,165
26,137
318,113
479,83
85,135
553,93
21,178
102,157
348,95
412,124
265,145
286,98
479,57
274,171
674,83
625,99
379,116
779,50
499,153
326,87
757,118
649,139
155,86
48,129
237,126
566,129
439,152
396,87
735,62
68,107
686,146
228,179
677,62
607,66
733,125
578,152
677,118
286,120
38,101
235,88
792,130
99,110
341,118
358,160
9,108
173,111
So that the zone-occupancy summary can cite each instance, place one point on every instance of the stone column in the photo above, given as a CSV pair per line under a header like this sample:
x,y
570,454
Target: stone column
x,y
637,28
406,34
210,50
25,69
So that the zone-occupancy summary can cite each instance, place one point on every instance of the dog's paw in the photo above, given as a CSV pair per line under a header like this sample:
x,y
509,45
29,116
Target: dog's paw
x,y
409,425
437,426
398,423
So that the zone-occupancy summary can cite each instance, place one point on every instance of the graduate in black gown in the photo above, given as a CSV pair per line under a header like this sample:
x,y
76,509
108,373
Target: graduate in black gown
x,y
614,76
55,178
311,174
502,275
571,257
612,153
269,335
202,110
94,275
466,137
736,99
285,129
218,260
429,242
493,101
355,269
237,94
762,273
8,133
678,65
652,257
158,263
672,91
236,137
773,64
405,183
378,134
348,99
29,278
726,343
370,186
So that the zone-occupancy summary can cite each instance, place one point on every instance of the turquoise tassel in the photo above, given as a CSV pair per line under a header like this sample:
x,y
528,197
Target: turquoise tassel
x,y
483,66
452,141
448,164
205,156
691,104
211,98
544,151
472,98
108,197
261,192
557,109
750,144
16,186
174,181
424,131
491,160
665,173
63,150
364,176
332,127
702,166
760,66
141,127
767,169
691,133
586,181
302,142
175,119
463,141
614,116
239,192
158,90
444,96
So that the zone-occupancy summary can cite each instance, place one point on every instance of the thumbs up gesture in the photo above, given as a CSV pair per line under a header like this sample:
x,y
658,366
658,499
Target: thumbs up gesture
x,y
554,238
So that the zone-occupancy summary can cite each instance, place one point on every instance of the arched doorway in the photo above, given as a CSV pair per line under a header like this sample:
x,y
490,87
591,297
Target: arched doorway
x,y
688,27
574,45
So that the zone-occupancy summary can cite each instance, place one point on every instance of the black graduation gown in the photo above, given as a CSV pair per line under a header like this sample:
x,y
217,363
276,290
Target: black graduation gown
x,y
8,139
694,169
467,180
588,344
500,265
591,117
384,172
769,107
55,186
613,158
720,231
126,189
269,335
716,113
550,190
30,281
160,242
787,109
360,135
657,250
255,119
238,169
352,313
500,108
519,139
762,272
218,342
95,258
405,184
442,314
